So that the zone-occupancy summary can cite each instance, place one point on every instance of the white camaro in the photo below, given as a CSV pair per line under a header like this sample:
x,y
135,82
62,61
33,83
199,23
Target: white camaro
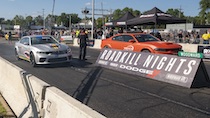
x,y
42,49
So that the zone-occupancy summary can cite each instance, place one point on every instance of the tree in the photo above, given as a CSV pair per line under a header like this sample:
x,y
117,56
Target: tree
x,y
136,13
126,9
116,14
38,20
28,21
99,22
119,13
175,12
63,19
8,22
2,20
74,18
204,13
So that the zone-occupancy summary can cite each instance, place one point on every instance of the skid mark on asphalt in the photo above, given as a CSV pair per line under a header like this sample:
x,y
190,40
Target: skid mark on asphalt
x,y
146,92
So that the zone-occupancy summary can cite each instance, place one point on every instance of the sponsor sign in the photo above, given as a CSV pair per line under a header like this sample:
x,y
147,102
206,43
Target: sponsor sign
x,y
109,23
205,50
190,54
167,68
121,23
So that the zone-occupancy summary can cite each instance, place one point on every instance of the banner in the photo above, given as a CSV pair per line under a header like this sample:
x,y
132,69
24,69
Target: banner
x,y
167,68
205,50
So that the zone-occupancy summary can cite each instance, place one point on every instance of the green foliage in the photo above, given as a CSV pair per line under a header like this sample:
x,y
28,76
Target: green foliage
x,y
119,13
175,12
2,110
204,11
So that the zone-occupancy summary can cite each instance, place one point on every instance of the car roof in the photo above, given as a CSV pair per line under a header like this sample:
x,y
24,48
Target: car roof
x,y
36,36
133,33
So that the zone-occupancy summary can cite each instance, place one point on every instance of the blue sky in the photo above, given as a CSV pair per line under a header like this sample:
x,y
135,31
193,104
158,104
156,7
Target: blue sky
x,y
10,8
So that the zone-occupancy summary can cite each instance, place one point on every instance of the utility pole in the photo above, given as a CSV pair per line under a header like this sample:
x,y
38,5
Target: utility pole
x,y
93,7
43,20
180,10
70,22
52,19
86,11
102,11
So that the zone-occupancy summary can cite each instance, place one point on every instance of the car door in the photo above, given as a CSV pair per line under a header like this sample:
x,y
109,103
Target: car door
x,y
116,42
128,43
25,47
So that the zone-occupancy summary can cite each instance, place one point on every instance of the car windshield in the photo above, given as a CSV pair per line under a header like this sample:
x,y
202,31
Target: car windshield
x,y
42,40
145,38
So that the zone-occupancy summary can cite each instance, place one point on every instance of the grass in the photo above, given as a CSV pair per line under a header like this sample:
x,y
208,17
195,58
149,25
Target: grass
x,y
2,110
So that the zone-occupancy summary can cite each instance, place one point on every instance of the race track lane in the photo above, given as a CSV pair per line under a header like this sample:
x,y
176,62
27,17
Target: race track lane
x,y
118,95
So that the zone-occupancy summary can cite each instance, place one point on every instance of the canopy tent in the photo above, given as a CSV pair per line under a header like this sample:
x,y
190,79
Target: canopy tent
x,y
153,17
121,21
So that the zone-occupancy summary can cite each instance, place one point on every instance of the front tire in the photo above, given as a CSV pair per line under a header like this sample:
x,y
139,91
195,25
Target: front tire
x,y
16,55
146,51
107,47
32,60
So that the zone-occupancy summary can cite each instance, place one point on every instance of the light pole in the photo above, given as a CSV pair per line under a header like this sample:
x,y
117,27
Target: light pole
x,y
43,20
52,19
93,9
70,23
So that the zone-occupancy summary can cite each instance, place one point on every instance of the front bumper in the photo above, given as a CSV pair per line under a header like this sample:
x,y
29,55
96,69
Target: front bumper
x,y
53,59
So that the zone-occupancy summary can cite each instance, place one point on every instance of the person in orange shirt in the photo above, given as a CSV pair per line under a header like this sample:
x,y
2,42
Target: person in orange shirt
x,y
206,37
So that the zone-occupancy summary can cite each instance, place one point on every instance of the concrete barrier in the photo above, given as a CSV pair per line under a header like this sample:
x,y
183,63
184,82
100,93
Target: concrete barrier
x,y
28,96
59,105
75,42
189,47
97,44
12,88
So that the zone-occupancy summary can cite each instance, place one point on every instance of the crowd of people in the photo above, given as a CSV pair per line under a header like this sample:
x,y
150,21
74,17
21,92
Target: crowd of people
x,y
192,37
83,35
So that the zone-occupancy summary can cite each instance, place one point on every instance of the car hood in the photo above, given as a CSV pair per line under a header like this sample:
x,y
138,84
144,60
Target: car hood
x,y
50,47
161,44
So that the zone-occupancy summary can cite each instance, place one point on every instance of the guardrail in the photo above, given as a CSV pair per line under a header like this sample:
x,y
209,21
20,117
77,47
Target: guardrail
x,y
29,97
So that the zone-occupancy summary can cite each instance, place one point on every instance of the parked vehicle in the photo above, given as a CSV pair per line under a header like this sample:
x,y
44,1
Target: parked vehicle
x,y
140,42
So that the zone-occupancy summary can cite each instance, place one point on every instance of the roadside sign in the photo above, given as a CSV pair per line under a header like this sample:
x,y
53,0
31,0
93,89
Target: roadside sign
x,y
190,54
205,50
172,69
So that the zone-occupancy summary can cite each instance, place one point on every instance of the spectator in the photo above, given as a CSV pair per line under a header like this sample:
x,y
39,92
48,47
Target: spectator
x,y
95,34
6,36
10,38
120,30
206,37
180,36
100,33
157,34
197,38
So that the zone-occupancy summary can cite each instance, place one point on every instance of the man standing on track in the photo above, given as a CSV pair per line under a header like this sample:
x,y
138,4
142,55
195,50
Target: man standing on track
x,y
83,44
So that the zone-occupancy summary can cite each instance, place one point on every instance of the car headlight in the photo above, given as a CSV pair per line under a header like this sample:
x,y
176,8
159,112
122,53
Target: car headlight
x,y
160,49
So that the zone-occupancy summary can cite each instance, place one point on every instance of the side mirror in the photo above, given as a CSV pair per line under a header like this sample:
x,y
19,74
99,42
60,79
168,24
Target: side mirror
x,y
132,41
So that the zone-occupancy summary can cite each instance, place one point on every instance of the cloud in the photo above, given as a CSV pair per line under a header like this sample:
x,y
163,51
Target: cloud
x,y
87,4
12,0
